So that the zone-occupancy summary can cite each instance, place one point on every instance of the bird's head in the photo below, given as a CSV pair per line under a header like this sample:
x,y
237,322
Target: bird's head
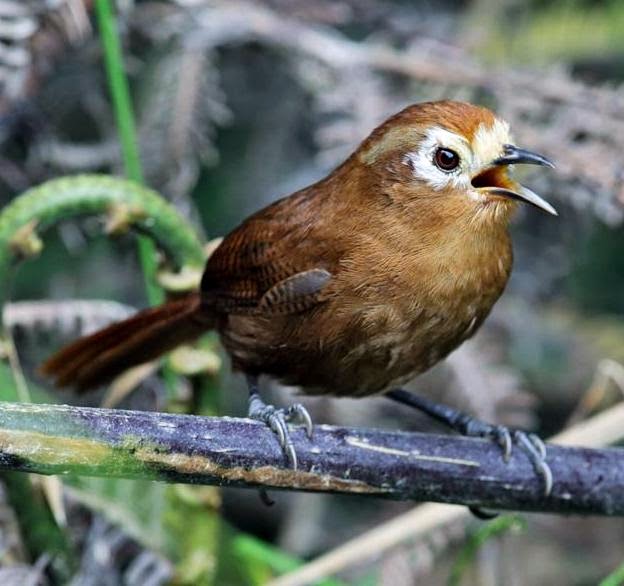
x,y
452,155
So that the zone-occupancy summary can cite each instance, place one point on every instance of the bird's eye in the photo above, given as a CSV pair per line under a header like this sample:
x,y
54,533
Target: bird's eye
x,y
446,159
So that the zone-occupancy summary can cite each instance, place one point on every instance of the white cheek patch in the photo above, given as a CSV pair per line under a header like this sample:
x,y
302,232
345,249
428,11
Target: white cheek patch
x,y
423,167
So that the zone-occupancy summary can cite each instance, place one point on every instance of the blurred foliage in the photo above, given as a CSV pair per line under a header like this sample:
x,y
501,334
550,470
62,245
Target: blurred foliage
x,y
492,529
614,579
42,534
599,260
548,31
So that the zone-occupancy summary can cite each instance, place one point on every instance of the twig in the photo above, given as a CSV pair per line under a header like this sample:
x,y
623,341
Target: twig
x,y
51,439
607,371
602,429
68,317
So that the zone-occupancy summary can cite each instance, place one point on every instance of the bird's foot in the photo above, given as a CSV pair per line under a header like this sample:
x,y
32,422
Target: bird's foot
x,y
277,420
506,438
469,426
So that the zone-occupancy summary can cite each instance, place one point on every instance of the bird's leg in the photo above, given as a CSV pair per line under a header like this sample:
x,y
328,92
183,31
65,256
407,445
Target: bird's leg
x,y
277,419
467,425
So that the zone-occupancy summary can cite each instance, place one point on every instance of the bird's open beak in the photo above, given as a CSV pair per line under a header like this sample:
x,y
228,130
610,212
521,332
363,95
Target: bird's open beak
x,y
514,155
493,183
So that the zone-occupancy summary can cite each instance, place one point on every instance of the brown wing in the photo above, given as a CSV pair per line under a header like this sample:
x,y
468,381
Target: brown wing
x,y
274,263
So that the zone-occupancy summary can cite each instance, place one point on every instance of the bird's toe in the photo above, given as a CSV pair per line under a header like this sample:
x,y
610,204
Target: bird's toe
x,y
535,450
277,420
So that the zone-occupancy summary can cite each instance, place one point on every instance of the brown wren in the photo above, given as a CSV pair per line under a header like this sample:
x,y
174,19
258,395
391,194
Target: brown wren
x,y
357,283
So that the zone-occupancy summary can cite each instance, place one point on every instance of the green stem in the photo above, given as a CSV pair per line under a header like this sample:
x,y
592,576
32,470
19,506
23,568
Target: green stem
x,y
120,94
133,205
118,86
256,556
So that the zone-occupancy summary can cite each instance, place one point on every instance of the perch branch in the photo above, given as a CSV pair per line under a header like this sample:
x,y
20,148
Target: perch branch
x,y
600,430
223,451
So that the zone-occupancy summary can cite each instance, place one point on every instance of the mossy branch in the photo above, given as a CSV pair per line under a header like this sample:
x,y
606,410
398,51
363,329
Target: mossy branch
x,y
239,452
125,203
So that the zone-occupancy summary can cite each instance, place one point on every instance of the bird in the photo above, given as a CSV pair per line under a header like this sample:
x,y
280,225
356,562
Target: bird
x,y
356,284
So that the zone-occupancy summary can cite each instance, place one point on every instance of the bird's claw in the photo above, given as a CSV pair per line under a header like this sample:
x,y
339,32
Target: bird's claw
x,y
468,426
532,445
298,412
277,420
503,438
536,451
